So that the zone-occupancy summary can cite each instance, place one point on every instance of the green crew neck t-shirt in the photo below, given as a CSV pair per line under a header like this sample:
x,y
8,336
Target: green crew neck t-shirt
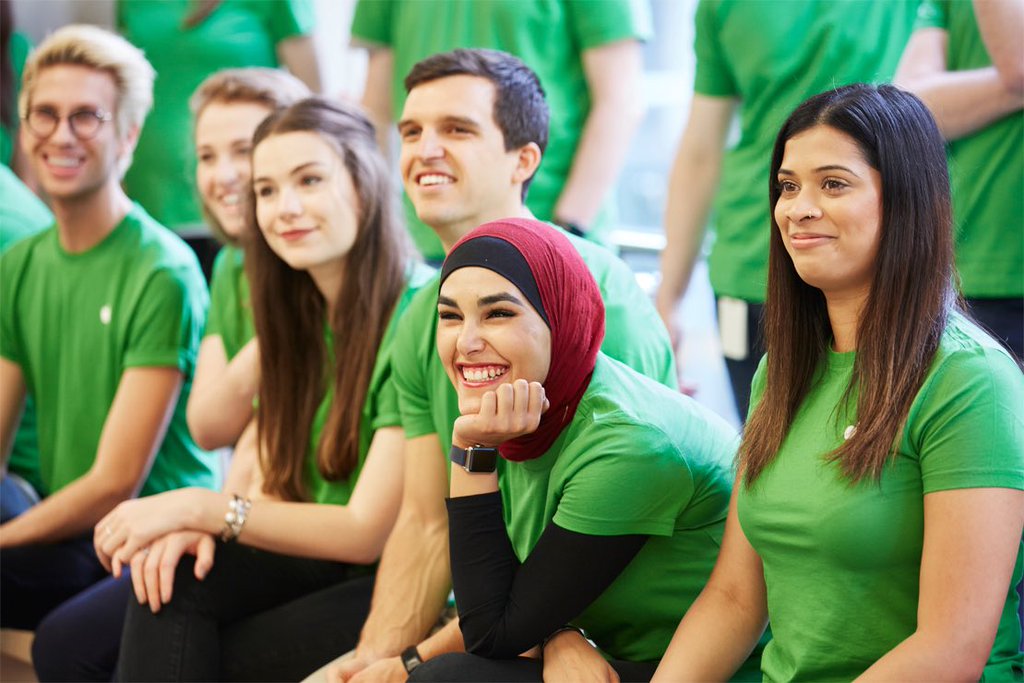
x,y
986,172
230,315
380,409
22,214
771,56
634,335
637,458
238,33
548,35
74,323
842,562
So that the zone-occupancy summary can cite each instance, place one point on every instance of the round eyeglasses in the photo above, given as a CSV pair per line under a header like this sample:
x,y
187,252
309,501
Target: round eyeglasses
x,y
84,123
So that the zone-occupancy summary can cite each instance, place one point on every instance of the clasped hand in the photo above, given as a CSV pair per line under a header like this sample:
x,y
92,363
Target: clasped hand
x,y
509,411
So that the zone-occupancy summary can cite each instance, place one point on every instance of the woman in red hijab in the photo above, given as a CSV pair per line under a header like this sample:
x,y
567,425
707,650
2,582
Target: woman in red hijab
x,y
585,498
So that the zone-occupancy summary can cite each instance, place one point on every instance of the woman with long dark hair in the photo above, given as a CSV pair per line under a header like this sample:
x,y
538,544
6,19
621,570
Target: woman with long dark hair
x,y
329,272
877,515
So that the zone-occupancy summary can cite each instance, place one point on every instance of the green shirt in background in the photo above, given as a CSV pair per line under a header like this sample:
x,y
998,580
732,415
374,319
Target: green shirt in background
x,y
550,36
986,170
842,562
238,33
380,409
634,335
230,315
771,56
75,322
22,214
637,458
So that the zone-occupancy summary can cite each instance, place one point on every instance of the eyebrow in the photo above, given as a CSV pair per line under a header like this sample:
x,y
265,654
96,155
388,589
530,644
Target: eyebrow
x,y
297,169
484,300
461,120
820,169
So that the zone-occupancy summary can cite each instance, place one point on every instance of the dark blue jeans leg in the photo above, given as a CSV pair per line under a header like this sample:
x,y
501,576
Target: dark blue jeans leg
x,y
461,667
79,640
34,579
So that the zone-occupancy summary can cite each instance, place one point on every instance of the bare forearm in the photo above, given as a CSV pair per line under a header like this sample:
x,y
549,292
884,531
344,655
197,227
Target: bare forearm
x,y
964,102
692,186
713,640
69,512
1001,24
599,157
377,94
411,589
220,408
925,658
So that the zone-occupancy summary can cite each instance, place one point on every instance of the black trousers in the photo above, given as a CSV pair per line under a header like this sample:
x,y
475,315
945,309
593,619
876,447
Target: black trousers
x,y
1004,319
257,616
460,667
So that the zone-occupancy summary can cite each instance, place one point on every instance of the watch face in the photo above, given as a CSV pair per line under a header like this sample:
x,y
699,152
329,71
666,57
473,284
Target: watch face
x,y
481,459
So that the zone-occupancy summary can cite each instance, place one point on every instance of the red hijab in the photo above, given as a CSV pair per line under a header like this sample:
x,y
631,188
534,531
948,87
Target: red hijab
x,y
551,270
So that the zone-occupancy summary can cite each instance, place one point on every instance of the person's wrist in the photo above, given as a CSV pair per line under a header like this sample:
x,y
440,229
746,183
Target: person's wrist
x,y
411,658
562,634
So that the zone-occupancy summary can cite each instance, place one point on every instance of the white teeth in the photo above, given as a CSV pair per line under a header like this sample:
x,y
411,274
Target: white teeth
x,y
435,179
230,199
482,374
64,162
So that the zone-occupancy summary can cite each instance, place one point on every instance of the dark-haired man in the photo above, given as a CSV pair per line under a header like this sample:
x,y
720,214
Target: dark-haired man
x,y
473,131
587,55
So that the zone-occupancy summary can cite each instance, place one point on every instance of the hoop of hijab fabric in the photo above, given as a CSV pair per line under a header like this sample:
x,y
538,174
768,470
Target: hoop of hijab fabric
x,y
538,259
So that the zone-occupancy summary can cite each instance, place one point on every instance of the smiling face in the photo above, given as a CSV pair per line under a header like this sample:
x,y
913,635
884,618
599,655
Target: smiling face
x,y
224,159
829,211
68,167
454,165
306,203
488,334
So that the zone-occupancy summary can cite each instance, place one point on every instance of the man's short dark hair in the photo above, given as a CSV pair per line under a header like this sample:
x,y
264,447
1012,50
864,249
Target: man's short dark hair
x,y
520,110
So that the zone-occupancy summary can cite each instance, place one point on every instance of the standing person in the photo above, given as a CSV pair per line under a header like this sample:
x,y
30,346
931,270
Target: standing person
x,y
613,488
99,322
966,61
473,132
587,56
73,642
227,107
212,35
761,62
330,273
878,512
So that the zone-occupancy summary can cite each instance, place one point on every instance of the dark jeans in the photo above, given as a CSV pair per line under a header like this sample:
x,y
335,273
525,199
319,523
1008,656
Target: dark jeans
x,y
257,616
1004,320
36,578
461,667
79,640
741,372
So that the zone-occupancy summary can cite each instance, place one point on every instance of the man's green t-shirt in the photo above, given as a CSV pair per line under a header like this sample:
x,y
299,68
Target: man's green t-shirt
x,y
74,323
634,335
550,37
986,171
771,56
842,562
380,409
230,315
238,33
637,458
22,214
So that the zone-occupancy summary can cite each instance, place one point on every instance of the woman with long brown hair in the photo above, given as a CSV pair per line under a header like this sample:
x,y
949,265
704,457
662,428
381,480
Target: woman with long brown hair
x,y
878,511
329,272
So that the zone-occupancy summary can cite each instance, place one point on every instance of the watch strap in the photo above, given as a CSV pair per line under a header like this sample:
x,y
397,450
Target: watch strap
x,y
411,658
